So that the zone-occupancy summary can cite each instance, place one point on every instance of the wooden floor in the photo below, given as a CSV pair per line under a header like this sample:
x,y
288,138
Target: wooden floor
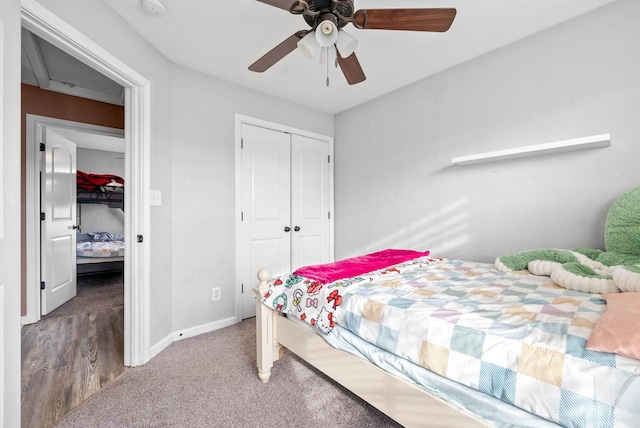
x,y
66,359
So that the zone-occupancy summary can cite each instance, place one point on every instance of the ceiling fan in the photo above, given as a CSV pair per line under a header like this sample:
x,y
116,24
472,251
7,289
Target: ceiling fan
x,y
326,38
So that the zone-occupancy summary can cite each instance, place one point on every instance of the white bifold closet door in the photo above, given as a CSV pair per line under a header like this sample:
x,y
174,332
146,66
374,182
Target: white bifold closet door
x,y
285,205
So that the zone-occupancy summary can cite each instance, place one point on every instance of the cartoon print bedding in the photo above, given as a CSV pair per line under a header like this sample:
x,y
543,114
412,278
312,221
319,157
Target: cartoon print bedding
x,y
515,336
314,301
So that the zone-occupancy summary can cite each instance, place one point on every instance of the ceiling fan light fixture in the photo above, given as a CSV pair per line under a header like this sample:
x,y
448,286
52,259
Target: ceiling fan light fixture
x,y
326,33
346,43
308,45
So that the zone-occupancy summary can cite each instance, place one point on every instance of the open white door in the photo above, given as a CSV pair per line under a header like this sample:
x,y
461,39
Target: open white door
x,y
58,225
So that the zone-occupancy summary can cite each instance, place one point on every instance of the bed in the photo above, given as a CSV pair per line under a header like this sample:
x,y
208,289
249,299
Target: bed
x,y
437,342
99,252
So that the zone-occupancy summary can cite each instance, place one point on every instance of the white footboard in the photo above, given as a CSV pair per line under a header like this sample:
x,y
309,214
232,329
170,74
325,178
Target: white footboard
x,y
406,403
266,329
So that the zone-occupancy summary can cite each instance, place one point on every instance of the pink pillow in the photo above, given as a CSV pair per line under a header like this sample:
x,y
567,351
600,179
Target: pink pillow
x,y
617,330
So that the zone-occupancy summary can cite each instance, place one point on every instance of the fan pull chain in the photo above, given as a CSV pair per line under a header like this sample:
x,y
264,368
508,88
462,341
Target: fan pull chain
x,y
327,68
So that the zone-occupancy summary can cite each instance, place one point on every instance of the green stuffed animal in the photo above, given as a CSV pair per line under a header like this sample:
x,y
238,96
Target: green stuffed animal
x,y
587,269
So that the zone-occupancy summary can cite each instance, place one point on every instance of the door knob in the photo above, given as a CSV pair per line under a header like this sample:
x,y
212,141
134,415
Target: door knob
x,y
287,228
297,228
76,227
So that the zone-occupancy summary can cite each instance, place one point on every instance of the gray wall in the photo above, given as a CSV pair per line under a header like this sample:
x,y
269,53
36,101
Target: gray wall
x,y
396,186
203,156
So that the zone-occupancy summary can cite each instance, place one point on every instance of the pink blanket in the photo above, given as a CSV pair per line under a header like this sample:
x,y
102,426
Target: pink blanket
x,y
354,266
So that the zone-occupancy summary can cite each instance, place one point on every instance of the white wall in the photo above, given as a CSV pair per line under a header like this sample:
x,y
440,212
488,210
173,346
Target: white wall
x,y
9,213
396,187
94,161
99,217
203,135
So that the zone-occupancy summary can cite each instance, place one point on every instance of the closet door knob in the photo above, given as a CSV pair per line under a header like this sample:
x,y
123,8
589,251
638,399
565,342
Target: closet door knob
x,y
287,228
76,227
297,228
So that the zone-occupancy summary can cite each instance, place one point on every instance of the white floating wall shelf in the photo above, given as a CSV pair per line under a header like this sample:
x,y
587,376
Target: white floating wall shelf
x,y
592,142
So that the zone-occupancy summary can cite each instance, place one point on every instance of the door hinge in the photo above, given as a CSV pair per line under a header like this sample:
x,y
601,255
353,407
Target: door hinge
x,y
241,215
242,288
42,216
41,285
329,215
329,159
140,238
43,147
241,143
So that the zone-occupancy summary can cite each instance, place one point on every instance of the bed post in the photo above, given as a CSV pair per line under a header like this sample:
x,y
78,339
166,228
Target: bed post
x,y
266,344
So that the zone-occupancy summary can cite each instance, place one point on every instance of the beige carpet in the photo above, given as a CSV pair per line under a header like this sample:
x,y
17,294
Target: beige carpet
x,y
211,381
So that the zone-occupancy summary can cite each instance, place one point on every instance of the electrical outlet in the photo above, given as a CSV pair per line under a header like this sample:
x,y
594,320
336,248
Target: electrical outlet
x,y
216,294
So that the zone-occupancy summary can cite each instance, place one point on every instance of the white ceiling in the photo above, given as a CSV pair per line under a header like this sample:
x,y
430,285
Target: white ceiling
x,y
222,38
49,68
94,141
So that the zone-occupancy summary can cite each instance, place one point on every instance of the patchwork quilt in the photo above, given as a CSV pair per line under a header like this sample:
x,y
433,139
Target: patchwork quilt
x,y
515,336
100,249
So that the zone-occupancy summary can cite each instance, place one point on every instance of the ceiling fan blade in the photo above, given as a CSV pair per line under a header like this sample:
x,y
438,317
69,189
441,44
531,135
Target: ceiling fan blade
x,y
282,4
437,19
351,68
277,53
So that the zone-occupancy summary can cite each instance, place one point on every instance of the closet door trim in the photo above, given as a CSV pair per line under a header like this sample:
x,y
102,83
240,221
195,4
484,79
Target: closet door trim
x,y
239,121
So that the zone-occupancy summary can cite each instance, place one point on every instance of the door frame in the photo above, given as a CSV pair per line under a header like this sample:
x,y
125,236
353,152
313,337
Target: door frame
x,y
239,121
35,125
40,21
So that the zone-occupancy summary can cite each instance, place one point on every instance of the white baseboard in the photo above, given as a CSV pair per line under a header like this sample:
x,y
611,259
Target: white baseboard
x,y
160,346
190,332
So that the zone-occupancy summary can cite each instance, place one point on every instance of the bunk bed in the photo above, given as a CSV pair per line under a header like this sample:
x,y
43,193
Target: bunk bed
x,y
99,252
104,189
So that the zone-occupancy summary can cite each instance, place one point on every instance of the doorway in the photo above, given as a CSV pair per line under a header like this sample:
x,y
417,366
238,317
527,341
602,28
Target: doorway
x,y
82,324
107,146
38,20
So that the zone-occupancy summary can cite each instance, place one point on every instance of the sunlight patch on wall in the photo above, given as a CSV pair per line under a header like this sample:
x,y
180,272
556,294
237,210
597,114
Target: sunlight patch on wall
x,y
444,231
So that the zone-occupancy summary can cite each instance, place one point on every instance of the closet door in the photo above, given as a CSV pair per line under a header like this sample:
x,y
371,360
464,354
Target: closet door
x,y
310,195
266,207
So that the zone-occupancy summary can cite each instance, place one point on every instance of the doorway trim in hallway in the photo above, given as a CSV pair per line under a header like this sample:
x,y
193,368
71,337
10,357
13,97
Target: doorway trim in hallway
x,y
48,26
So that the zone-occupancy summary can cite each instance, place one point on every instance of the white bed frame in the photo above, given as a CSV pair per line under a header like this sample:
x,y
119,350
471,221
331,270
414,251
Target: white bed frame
x,y
402,401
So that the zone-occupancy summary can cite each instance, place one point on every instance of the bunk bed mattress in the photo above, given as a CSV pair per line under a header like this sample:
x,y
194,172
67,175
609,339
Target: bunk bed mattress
x,y
101,249
513,336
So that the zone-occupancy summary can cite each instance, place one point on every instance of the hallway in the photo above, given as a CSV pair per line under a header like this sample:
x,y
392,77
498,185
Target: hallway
x,y
74,351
